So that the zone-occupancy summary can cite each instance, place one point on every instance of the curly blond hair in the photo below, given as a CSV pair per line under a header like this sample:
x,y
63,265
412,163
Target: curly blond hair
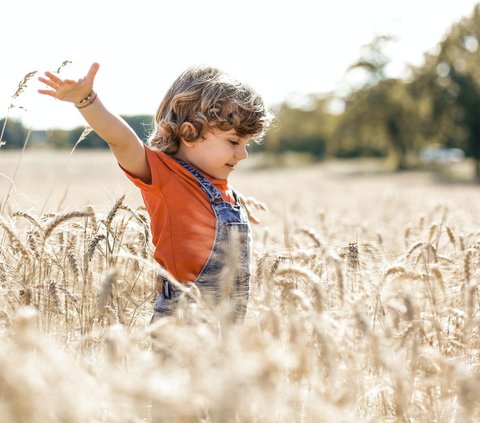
x,y
207,98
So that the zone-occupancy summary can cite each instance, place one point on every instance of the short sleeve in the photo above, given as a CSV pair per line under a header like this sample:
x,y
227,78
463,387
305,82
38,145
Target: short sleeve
x,y
158,169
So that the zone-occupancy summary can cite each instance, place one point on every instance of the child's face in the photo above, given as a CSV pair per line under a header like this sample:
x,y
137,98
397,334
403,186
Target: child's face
x,y
217,154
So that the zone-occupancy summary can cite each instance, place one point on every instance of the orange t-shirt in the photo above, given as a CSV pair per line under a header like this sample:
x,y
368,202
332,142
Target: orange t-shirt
x,y
181,217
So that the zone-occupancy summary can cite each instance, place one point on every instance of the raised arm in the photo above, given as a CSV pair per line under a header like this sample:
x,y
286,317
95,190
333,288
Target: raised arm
x,y
124,143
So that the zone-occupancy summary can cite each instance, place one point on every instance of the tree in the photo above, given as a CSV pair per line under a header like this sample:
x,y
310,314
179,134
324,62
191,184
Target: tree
x,y
451,79
302,129
14,135
378,116
373,60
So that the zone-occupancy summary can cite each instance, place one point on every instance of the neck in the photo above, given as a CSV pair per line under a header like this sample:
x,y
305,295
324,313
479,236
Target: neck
x,y
180,155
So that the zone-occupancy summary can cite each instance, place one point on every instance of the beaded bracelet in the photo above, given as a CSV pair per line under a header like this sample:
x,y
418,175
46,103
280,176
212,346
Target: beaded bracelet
x,y
89,99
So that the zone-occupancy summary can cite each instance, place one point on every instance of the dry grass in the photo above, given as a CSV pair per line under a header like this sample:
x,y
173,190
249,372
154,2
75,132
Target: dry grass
x,y
364,307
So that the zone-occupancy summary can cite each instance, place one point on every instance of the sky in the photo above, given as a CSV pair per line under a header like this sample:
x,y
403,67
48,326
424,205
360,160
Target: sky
x,y
284,49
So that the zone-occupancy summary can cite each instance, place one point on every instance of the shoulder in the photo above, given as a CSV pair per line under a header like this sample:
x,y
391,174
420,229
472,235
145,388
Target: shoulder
x,y
159,161
155,154
160,171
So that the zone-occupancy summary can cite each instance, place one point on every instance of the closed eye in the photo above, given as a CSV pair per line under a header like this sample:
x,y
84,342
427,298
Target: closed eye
x,y
233,142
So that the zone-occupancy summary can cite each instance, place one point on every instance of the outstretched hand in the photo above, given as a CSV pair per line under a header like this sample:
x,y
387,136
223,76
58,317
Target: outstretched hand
x,y
67,89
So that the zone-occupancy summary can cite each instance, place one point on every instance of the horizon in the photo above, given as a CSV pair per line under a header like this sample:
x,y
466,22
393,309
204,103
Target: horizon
x,y
280,49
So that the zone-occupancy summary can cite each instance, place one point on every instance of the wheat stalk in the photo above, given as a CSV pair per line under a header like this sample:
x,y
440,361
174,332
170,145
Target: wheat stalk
x,y
14,240
113,211
93,245
29,217
61,219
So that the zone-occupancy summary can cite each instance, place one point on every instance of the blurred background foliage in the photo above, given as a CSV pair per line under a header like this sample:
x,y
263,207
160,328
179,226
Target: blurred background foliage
x,y
437,104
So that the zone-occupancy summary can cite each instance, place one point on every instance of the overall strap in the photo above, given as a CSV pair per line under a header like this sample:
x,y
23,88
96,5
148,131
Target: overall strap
x,y
212,192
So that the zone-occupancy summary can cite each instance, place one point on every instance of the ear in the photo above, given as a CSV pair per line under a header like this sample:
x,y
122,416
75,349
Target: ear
x,y
187,134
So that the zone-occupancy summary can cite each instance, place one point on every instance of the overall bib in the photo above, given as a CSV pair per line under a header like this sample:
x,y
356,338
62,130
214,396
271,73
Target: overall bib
x,y
229,260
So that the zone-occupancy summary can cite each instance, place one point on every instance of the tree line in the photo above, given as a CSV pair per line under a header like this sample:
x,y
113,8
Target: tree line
x,y
15,134
395,118
439,103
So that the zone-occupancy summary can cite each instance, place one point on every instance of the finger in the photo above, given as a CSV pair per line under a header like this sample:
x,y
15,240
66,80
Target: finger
x,y
47,92
51,84
53,77
92,72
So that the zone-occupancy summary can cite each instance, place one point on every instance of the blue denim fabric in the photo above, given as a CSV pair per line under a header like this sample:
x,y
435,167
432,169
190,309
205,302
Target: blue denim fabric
x,y
230,258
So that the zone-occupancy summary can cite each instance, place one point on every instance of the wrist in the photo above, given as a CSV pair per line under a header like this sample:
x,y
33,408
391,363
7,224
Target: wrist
x,y
89,99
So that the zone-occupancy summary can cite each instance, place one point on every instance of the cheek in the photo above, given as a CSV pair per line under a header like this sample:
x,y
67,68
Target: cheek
x,y
216,156
222,152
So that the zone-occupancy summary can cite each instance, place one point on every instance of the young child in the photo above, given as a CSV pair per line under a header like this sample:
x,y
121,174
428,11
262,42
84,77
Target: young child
x,y
201,133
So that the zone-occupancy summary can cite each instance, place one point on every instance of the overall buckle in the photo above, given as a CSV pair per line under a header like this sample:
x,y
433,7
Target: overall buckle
x,y
166,289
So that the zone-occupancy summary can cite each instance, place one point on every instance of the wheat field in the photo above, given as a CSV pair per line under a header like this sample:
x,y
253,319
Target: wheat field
x,y
364,302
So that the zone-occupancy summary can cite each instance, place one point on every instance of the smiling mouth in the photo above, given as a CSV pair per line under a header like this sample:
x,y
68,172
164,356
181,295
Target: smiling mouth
x,y
231,166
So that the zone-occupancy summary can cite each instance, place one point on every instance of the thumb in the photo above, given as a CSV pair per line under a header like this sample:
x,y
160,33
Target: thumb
x,y
92,72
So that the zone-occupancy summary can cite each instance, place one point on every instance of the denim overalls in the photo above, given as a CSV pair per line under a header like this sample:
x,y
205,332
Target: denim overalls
x,y
229,257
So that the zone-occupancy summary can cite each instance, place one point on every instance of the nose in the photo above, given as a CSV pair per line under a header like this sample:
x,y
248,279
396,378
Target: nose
x,y
241,153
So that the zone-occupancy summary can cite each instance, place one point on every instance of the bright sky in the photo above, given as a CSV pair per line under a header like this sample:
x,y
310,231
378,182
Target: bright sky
x,y
284,49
